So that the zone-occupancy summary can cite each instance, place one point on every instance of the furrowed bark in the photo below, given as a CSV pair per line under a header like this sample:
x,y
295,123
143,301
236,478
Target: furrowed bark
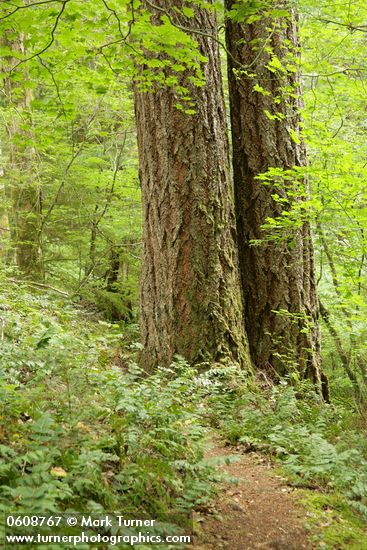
x,y
278,276
190,290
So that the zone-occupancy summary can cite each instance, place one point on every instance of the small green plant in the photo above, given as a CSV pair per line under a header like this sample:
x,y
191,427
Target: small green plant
x,y
80,432
319,445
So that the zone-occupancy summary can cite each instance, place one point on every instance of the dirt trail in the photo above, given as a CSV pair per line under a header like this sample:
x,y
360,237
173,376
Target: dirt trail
x,y
260,512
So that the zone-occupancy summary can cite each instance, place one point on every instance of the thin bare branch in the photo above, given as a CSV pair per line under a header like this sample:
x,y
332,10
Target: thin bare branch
x,y
40,285
55,84
66,171
52,39
29,6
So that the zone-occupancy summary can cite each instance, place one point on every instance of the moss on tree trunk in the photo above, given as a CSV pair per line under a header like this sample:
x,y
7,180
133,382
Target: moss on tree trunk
x,y
191,301
278,276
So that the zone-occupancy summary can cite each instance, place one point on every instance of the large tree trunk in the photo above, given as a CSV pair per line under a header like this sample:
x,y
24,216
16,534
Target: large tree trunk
x,y
278,277
190,289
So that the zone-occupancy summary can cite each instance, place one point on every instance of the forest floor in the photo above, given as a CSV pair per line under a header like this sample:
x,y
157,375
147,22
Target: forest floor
x,y
82,428
256,509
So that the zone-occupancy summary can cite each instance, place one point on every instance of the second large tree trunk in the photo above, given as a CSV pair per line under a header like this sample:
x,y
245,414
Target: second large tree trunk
x,y
278,277
190,289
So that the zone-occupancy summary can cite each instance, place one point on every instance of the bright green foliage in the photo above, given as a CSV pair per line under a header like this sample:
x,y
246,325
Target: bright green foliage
x,y
81,427
83,430
82,128
333,42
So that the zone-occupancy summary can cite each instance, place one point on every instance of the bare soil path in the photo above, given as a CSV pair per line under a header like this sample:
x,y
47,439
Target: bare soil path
x,y
260,512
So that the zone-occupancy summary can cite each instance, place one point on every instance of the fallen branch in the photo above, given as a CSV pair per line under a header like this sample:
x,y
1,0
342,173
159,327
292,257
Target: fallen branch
x,y
41,285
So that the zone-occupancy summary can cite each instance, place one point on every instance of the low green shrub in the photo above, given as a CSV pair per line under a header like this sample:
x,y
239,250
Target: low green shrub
x,y
318,444
82,432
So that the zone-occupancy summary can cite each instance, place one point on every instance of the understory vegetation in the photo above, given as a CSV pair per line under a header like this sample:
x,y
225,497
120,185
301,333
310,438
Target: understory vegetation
x,y
83,429
183,254
320,447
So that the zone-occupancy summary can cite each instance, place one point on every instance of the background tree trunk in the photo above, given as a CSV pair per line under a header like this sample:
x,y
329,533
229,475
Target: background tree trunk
x,y
22,188
278,277
190,289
